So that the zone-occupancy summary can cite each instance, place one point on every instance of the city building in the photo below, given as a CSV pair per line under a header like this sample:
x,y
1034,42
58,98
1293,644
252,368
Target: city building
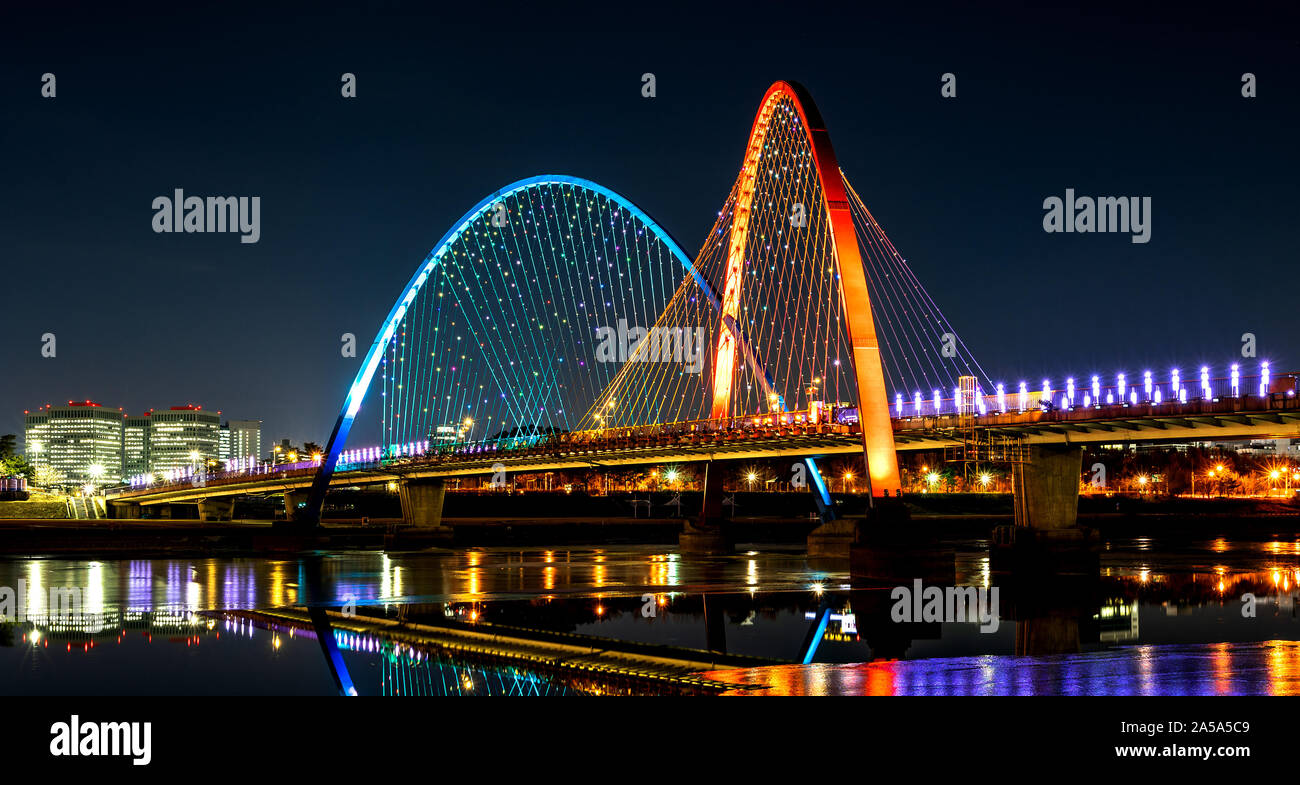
x,y
284,452
85,442
183,437
80,442
245,439
135,445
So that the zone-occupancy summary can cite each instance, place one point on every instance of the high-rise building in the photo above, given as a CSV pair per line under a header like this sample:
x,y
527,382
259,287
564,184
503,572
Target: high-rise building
x,y
135,445
82,441
183,437
86,442
245,439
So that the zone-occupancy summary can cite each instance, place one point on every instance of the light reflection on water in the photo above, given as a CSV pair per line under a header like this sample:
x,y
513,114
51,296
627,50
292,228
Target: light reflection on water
x,y
498,574
1156,619
1271,668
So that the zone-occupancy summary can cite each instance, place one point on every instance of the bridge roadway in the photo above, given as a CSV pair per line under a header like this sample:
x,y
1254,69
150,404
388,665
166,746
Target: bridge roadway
x,y
763,437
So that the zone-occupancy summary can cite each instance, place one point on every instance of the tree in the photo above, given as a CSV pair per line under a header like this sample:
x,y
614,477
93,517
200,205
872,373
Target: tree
x,y
17,466
47,476
7,443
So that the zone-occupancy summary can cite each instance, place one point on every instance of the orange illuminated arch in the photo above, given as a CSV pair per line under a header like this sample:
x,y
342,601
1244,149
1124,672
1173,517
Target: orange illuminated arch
x,y
873,405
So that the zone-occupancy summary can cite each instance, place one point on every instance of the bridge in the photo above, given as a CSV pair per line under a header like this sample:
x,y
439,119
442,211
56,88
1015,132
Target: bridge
x,y
557,326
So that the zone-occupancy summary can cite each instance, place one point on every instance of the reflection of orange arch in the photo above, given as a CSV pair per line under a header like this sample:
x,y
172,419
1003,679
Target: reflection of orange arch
x,y
873,405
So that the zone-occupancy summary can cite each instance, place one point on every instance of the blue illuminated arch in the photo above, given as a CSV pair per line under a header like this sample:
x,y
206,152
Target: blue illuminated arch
x,y
357,392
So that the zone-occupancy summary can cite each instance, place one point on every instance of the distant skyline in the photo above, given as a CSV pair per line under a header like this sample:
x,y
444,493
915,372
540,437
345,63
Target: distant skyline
x,y
450,106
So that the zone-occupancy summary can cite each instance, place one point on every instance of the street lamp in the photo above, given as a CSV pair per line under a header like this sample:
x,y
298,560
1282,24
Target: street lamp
x,y
96,471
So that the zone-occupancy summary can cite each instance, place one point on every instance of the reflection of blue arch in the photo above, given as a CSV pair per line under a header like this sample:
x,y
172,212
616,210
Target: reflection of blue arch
x,y
357,392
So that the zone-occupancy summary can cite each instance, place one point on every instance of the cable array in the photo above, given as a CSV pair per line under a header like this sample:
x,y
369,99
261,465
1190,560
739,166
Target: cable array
x,y
559,309
920,350
512,335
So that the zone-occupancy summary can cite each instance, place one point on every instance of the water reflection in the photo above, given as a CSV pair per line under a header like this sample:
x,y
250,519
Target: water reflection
x,y
367,578
1212,669
1154,619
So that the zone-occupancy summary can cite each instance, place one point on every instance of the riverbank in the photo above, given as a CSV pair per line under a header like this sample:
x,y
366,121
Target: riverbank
x,y
144,538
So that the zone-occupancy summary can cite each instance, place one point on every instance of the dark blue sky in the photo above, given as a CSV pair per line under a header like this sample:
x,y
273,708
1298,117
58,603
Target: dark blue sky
x,y
235,99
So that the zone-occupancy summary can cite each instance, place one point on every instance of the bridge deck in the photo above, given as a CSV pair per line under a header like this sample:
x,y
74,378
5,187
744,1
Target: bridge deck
x,y
766,437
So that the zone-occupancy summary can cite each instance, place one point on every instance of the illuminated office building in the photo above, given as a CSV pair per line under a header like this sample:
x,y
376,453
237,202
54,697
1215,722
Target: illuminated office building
x,y
81,441
245,439
135,445
183,437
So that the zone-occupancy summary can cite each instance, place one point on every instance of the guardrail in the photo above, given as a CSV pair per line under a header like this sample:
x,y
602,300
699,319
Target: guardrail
x,y
775,425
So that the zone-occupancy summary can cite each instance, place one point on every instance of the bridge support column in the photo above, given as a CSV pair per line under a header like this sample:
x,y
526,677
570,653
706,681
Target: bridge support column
x,y
705,535
422,502
832,539
291,501
1047,487
123,510
219,509
1046,536
890,549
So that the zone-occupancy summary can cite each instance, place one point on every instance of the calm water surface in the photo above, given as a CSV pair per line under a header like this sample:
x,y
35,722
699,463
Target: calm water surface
x,y
1156,619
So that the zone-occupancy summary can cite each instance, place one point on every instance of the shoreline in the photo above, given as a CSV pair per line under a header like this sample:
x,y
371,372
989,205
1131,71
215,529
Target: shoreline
x,y
138,538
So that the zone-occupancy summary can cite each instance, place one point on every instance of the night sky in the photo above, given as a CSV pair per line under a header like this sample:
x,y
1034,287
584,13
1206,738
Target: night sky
x,y
235,99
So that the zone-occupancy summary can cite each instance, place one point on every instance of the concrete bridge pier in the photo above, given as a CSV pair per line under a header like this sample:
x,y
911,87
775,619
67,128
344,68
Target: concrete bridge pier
x,y
833,539
124,510
422,503
705,535
1046,536
291,501
890,549
217,509
1047,487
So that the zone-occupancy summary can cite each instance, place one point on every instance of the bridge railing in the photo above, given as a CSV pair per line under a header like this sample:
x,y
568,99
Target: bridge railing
x,y
1137,390
1275,401
772,423
816,421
